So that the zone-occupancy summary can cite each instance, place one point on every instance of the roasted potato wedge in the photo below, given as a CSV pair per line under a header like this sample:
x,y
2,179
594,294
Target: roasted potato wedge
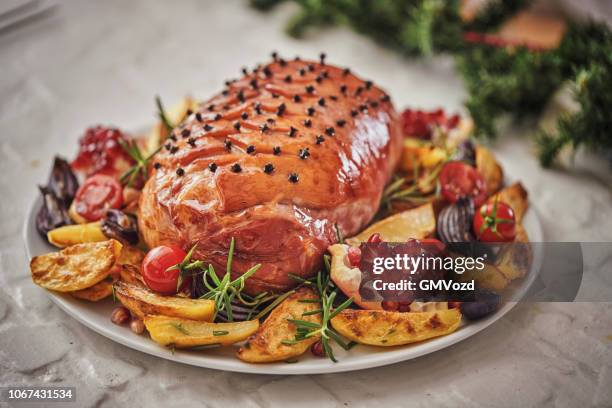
x,y
131,274
516,197
265,345
185,333
97,292
131,255
76,234
141,302
490,169
488,278
76,267
418,223
382,328
513,263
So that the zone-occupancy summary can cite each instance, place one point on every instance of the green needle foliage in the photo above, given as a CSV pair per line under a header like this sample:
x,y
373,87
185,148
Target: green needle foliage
x,y
500,81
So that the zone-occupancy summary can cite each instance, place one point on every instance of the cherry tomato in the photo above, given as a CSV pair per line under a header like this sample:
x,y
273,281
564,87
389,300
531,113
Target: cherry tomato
x,y
98,194
458,179
155,269
495,222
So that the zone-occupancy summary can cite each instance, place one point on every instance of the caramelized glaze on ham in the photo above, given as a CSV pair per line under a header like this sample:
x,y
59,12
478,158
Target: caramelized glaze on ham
x,y
339,143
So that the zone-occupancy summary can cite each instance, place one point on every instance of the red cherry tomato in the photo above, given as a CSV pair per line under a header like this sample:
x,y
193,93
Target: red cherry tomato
x,y
97,195
458,179
495,222
155,269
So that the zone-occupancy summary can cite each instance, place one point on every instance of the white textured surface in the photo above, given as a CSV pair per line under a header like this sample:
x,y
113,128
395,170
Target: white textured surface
x,y
103,62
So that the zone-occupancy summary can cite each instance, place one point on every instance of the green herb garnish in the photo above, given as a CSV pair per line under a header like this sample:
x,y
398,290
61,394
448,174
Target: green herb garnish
x,y
179,327
224,290
142,162
163,117
307,329
220,332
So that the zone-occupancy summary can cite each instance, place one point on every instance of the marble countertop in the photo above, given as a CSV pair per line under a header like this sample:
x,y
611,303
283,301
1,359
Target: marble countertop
x,y
103,62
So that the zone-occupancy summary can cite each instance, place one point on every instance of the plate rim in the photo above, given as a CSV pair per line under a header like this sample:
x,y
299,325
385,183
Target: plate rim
x,y
383,358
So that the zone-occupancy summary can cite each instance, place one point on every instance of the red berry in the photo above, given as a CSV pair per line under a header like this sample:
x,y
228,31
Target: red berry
x,y
100,151
354,256
374,238
317,349
403,307
389,306
453,305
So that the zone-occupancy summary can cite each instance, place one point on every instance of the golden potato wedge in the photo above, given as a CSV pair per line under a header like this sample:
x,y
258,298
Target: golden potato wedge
x,y
185,333
131,255
516,197
418,223
131,274
97,292
488,278
490,169
76,234
516,261
266,344
141,302
382,328
76,267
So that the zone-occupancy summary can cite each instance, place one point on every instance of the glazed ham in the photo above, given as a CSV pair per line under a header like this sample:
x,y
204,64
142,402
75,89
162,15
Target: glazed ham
x,y
278,160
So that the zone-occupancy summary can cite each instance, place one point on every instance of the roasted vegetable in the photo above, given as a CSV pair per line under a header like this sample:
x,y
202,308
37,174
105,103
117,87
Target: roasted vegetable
x,y
455,221
141,301
516,197
348,278
485,302
76,267
382,328
57,197
97,292
490,169
52,214
184,333
76,234
273,339
418,222
120,226
131,274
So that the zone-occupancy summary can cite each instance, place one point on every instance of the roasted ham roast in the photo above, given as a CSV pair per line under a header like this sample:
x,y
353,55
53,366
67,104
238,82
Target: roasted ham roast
x,y
279,160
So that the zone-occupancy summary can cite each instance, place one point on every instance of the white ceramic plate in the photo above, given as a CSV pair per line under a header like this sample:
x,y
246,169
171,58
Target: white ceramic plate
x,y
96,316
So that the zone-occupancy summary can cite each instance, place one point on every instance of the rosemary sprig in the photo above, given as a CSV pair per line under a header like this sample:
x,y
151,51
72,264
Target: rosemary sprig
x,y
142,163
307,329
163,117
224,290
186,267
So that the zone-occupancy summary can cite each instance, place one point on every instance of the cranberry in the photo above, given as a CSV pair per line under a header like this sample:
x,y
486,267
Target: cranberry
x,y
454,305
354,256
100,151
390,306
375,238
403,307
317,349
